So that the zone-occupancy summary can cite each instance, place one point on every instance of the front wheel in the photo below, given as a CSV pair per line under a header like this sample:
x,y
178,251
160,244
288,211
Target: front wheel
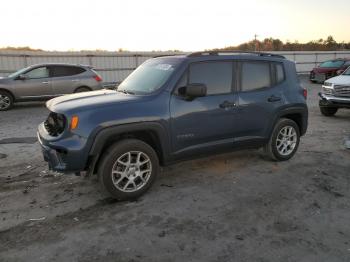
x,y
328,111
128,169
284,140
6,101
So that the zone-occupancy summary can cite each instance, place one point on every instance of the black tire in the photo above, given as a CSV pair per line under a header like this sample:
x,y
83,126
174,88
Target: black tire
x,y
6,100
271,148
109,162
82,89
328,111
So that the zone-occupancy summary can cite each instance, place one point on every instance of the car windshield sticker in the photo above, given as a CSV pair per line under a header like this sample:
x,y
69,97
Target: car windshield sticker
x,y
164,67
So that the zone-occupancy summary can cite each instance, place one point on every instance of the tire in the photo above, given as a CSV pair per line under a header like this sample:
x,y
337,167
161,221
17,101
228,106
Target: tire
x,y
328,111
274,148
116,159
82,89
6,100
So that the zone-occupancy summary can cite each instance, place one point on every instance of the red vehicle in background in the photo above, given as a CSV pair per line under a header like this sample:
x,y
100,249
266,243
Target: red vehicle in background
x,y
329,69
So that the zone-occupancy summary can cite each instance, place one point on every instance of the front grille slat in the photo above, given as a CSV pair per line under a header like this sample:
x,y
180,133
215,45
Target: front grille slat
x,y
342,90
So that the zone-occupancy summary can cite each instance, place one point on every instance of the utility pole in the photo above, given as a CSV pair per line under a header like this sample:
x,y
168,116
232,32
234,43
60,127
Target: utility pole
x,y
255,36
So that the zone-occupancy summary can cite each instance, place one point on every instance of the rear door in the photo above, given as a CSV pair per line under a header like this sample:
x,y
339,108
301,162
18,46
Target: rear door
x,y
36,85
261,85
65,79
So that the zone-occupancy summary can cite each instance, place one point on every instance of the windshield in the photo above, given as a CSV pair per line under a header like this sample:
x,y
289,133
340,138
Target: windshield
x,y
347,72
149,76
21,71
335,63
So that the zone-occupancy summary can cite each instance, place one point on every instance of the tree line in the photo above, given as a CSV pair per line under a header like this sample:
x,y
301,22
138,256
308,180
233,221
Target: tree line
x,y
275,44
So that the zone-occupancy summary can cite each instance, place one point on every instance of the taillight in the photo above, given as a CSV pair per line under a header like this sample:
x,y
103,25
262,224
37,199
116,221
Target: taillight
x,y
98,78
305,93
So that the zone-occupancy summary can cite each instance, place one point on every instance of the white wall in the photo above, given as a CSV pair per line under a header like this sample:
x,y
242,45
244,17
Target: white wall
x,y
115,66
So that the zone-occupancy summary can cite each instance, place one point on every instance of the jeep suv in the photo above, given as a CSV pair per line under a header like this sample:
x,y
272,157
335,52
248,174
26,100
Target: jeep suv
x,y
175,108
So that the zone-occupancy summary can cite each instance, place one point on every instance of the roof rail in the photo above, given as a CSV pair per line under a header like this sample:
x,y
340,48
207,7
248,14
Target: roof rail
x,y
226,52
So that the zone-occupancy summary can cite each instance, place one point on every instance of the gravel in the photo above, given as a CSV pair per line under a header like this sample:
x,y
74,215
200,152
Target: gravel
x,y
230,207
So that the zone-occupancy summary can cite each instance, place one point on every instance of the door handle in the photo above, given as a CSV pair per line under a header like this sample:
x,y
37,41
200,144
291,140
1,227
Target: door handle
x,y
227,104
274,98
45,82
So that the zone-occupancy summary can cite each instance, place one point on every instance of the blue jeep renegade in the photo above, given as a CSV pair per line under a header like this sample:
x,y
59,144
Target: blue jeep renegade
x,y
175,108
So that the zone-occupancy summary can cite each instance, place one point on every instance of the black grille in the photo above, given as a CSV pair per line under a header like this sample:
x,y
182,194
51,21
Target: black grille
x,y
340,90
55,124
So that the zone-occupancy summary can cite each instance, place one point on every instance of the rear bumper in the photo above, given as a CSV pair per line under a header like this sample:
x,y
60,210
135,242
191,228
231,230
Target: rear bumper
x,y
66,154
333,101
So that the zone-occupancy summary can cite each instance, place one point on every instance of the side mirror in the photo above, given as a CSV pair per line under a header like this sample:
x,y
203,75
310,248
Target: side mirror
x,y
193,90
22,77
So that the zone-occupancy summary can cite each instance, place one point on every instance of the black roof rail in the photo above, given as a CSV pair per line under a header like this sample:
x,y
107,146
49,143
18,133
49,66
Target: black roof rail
x,y
234,52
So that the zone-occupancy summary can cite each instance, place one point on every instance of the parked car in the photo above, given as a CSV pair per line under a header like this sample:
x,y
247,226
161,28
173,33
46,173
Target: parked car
x,y
176,108
335,94
329,69
43,81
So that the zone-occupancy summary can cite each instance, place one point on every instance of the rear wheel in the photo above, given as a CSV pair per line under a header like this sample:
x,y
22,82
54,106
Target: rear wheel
x,y
6,100
128,169
328,111
82,89
284,140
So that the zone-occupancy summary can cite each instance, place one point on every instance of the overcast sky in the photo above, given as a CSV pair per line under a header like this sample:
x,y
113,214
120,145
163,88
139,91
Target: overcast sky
x,y
167,24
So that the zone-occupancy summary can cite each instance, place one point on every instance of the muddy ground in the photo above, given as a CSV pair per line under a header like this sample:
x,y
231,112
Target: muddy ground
x,y
232,207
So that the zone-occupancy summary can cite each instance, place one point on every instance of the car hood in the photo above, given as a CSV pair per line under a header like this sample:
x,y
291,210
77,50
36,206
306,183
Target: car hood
x,y
88,100
340,80
4,80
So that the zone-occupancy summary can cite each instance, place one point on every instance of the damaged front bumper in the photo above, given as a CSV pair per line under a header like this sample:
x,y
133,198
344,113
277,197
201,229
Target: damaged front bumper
x,y
333,101
67,154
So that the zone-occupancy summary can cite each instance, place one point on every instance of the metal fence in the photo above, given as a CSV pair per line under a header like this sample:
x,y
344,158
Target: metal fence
x,y
115,66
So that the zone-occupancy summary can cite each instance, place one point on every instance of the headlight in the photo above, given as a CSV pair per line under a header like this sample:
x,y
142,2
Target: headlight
x,y
327,84
55,124
327,90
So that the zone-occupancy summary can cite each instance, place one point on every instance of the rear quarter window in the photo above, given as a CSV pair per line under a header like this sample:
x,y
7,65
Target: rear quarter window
x,y
280,76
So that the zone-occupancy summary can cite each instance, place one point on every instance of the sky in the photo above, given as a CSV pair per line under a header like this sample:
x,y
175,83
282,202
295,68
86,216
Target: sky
x,y
185,25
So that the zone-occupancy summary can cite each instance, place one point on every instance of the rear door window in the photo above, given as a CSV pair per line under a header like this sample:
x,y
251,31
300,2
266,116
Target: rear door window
x,y
255,75
59,71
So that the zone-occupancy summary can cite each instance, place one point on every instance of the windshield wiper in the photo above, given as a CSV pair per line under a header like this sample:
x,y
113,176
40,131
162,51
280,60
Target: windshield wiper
x,y
125,91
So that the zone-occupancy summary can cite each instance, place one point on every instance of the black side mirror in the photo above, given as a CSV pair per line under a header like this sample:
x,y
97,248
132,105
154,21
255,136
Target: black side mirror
x,y
22,77
193,90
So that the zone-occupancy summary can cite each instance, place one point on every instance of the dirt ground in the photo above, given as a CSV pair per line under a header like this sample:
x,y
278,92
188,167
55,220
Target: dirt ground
x,y
232,207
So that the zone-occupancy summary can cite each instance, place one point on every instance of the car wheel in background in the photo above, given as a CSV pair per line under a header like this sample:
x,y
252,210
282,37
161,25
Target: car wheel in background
x,y
284,140
6,100
82,89
128,169
328,111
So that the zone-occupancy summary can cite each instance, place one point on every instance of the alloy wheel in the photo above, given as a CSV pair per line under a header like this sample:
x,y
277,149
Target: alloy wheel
x,y
286,140
5,101
131,171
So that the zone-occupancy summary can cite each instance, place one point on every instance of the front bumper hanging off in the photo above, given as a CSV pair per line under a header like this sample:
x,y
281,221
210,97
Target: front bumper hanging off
x,y
333,101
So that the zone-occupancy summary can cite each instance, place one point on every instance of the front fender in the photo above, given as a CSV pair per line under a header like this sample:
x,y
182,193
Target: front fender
x,y
103,135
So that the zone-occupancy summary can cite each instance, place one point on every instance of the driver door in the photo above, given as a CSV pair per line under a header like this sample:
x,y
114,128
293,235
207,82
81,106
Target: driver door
x,y
35,84
204,123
